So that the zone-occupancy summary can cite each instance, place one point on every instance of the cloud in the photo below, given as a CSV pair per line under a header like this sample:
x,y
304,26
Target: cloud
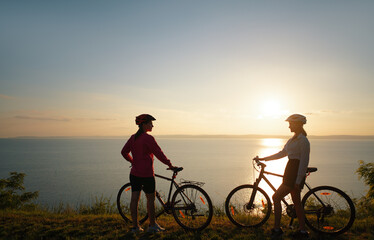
x,y
96,119
62,119
322,112
2,96
57,119
103,119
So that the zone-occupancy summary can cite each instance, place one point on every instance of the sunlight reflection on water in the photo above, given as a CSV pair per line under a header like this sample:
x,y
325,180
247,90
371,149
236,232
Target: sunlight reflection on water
x,y
272,142
269,147
75,171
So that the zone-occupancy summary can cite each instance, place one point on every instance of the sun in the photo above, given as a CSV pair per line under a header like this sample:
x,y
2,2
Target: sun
x,y
272,109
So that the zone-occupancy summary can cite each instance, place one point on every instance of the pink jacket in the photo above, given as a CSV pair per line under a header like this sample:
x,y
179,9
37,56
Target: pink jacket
x,y
142,150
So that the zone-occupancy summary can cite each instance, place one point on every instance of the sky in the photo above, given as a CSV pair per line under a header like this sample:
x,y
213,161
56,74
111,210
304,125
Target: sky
x,y
87,68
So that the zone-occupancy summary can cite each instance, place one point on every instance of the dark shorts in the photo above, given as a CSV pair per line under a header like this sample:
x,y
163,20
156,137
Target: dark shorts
x,y
148,184
290,173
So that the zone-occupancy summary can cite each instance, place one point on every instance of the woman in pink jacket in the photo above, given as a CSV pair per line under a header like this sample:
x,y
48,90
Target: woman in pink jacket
x,y
143,147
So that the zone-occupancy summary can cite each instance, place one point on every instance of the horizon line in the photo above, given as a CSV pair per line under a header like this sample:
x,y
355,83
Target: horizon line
x,y
344,136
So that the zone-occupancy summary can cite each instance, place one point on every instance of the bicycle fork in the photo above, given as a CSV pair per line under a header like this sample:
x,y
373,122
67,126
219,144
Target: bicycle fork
x,y
253,195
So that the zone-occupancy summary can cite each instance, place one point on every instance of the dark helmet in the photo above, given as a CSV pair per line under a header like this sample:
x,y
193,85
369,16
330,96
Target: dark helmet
x,y
143,118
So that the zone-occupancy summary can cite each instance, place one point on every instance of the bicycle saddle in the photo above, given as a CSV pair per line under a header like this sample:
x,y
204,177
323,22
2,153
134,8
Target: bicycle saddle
x,y
178,169
311,169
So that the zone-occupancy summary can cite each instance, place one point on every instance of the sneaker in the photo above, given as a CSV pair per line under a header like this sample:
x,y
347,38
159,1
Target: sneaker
x,y
137,230
300,234
155,228
276,233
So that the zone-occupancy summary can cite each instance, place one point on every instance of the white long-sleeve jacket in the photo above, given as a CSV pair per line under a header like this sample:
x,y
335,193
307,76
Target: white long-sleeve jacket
x,y
297,148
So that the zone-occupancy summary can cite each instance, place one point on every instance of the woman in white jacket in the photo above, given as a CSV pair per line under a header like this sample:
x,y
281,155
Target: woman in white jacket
x,y
297,149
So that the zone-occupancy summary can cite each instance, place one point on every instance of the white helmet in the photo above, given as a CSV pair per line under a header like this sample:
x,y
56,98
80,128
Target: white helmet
x,y
296,118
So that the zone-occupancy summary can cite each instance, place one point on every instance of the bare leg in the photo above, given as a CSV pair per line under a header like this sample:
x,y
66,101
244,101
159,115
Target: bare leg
x,y
151,208
281,192
296,198
135,196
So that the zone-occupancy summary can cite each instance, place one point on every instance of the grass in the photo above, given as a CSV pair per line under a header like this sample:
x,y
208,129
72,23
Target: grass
x,y
100,220
20,219
45,224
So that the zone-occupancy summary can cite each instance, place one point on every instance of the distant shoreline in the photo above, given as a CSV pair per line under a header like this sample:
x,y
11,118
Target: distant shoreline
x,y
247,136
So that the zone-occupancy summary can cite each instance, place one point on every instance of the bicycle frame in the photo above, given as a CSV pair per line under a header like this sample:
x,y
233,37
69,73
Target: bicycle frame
x,y
178,202
166,205
327,210
172,183
262,176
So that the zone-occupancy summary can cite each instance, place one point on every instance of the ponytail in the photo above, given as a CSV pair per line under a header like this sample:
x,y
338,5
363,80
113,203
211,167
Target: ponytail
x,y
139,132
303,132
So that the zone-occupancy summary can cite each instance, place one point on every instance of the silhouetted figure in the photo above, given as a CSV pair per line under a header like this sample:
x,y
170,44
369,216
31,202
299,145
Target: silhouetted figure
x,y
143,147
297,149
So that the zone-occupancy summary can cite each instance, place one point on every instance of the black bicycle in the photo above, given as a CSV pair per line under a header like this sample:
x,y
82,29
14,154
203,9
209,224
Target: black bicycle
x,y
190,204
328,210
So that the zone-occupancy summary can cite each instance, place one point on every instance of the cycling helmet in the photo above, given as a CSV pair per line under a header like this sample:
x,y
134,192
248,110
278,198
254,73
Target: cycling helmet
x,y
143,118
296,118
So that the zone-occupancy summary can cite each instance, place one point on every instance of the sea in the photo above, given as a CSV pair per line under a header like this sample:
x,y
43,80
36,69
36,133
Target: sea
x,y
76,171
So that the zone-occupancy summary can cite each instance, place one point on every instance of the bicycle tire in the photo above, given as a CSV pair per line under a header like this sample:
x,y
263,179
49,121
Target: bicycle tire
x,y
335,216
123,204
192,208
238,212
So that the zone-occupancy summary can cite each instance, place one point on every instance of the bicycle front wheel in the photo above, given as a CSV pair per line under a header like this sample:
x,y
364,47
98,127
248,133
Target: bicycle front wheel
x,y
241,213
328,210
123,204
192,207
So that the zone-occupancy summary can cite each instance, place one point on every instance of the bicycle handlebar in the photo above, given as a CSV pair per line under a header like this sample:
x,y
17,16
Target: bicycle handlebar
x,y
258,163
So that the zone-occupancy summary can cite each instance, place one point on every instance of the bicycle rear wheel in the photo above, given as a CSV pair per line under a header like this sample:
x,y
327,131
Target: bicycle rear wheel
x,y
240,213
123,204
328,210
192,207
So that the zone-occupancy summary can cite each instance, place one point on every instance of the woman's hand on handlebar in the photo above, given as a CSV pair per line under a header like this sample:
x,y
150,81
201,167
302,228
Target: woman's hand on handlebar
x,y
257,159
